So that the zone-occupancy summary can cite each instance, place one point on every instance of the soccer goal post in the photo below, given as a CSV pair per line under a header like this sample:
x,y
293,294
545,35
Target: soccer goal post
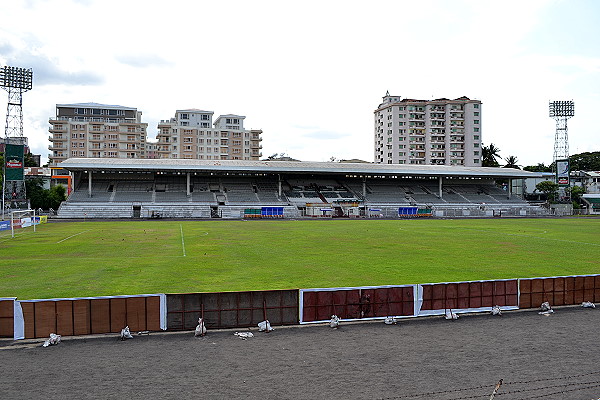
x,y
21,219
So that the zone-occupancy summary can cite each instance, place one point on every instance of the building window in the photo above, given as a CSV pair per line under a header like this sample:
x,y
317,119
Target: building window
x,y
476,121
184,116
476,105
475,129
476,114
476,161
475,137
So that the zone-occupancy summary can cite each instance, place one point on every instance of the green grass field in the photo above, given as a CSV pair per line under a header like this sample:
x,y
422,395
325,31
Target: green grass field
x,y
112,258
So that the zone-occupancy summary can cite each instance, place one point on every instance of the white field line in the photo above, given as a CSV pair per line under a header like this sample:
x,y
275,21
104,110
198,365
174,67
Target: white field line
x,y
77,234
182,241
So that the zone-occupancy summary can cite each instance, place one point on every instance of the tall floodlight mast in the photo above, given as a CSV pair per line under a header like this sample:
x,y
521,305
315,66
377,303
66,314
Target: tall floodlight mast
x,y
561,111
15,81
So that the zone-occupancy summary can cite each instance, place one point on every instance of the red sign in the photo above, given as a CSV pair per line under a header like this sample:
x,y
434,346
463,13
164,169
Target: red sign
x,y
14,164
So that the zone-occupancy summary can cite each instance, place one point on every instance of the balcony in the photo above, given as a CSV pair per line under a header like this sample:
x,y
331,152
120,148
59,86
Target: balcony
x,y
57,147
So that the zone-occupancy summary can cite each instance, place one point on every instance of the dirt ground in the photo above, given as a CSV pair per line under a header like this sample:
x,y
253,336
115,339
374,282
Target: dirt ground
x,y
357,361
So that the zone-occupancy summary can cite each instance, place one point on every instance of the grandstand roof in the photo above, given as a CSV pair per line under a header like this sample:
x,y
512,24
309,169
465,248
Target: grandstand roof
x,y
301,167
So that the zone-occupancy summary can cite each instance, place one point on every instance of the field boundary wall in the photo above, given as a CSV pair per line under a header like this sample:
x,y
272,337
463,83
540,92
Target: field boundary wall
x,y
559,290
467,296
27,319
356,303
7,312
88,315
232,309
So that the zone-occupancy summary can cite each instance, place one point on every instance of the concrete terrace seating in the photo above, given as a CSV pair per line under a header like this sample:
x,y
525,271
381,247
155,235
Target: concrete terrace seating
x,y
241,197
94,210
170,197
203,197
82,196
132,197
176,210
134,186
424,198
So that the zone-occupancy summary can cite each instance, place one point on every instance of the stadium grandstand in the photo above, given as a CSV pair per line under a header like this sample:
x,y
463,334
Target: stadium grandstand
x,y
163,188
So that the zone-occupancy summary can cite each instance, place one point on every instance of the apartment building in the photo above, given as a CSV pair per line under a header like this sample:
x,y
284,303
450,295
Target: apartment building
x,y
96,131
192,134
428,132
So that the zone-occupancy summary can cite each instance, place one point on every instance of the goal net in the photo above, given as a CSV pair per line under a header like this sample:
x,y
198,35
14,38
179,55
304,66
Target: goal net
x,y
23,221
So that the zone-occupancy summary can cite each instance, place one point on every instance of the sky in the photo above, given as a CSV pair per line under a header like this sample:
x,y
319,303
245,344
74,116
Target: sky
x,y
310,74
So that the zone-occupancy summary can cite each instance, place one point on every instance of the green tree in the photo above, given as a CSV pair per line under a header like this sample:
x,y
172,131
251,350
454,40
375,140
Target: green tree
x,y
29,161
44,198
576,192
488,156
511,162
549,188
589,161
541,167
57,194
36,193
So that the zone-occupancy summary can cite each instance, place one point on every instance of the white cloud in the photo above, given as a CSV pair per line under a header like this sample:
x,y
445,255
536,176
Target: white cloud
x,y
309,74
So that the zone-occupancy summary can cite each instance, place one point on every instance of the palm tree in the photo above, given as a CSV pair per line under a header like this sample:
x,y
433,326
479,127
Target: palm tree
x,y
511,162
488,156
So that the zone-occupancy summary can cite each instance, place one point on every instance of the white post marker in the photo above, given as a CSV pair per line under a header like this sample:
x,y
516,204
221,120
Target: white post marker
x,y
182,241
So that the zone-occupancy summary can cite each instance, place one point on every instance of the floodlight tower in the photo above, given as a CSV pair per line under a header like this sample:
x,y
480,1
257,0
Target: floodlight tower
x,y
15,81
561,111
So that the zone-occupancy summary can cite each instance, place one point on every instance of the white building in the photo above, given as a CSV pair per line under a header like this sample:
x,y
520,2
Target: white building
x,y
436,132
191,134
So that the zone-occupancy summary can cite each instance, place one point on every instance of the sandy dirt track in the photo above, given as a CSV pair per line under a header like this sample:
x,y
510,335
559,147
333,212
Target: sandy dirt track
x,y
357,361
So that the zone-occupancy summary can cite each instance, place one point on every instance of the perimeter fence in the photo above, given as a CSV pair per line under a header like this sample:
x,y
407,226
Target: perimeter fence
x,y
26,319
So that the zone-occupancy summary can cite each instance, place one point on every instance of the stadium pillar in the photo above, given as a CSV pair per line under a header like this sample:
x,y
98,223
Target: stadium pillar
x,y
187,186
89,183
440,185
364,187
279,184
